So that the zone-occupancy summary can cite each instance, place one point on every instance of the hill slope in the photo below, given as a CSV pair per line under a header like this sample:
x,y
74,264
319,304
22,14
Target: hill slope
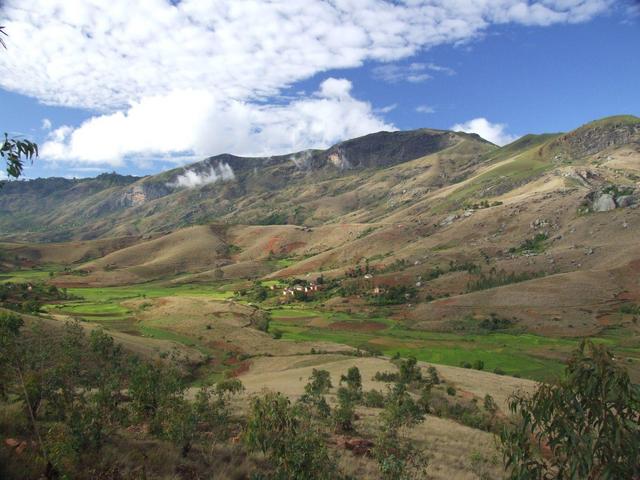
x,y
310,187
540,233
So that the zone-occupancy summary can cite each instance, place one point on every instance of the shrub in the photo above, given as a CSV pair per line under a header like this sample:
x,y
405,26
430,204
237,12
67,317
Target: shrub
x,y
630,308
319,382
498,279
494,323
410,371
180,424
451,391
373,399
284,434
537,244
386,377
589,419
397,456
424,401
478,365
400,408
344,414
229,386
490,404
353,381
434,379
150,389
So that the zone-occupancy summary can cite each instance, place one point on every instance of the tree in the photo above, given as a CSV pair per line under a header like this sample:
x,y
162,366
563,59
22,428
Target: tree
x,y
15,151
288,437
318,385
410,371
344,414
319,382
584,426
151,389
397,456
10,325
11,358
353,380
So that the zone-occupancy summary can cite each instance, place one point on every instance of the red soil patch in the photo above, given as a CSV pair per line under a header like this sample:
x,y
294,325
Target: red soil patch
x,y
605,320
357,326
224,346
272,244
290,247
243,367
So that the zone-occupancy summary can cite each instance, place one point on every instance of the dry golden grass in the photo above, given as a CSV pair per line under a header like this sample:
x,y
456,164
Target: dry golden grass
x,y
191,249
456,452
290,374
225,325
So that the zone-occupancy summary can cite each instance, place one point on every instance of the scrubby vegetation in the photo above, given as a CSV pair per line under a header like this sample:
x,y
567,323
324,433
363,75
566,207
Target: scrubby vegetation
x,y
29,297
75,399
586,425
394,295
537,244
500,278
74,395
630,309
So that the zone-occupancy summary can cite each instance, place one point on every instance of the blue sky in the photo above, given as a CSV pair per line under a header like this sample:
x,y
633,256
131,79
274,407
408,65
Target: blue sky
x,y
140,105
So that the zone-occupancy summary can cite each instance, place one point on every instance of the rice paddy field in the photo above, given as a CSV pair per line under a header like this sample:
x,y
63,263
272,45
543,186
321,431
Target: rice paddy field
x,y
122,309
526,355
520,354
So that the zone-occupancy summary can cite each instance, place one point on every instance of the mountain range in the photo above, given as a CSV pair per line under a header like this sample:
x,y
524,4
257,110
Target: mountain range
x,y
549,223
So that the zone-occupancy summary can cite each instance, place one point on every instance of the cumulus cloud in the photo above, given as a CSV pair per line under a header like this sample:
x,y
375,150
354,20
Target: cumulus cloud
x,y
46,124
198,77
425,109
199,123
494,132
105,54
192,179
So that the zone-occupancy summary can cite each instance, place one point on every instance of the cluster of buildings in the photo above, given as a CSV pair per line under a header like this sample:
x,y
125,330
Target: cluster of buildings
x,y
302,289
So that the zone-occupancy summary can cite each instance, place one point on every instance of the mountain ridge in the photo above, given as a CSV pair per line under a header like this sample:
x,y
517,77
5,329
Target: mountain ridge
x,y
355,180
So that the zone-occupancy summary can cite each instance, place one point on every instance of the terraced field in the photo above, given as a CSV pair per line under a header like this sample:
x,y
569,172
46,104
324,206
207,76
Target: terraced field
x,y
134,310
526,355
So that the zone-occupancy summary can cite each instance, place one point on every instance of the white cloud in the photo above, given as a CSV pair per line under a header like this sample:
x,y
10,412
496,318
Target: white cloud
x,y
425,109
46,124
199,77
198,123
105,54
192,179
416,72
387,108
494,132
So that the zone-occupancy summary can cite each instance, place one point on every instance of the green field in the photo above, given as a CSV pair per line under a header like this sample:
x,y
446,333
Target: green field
x,y
527,355
31,275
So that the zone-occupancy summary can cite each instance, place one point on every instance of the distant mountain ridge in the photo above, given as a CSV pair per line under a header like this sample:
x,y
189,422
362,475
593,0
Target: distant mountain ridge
x,y
365,178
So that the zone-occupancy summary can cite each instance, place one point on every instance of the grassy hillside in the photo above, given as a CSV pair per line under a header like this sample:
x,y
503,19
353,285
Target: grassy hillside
x,y
489,265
